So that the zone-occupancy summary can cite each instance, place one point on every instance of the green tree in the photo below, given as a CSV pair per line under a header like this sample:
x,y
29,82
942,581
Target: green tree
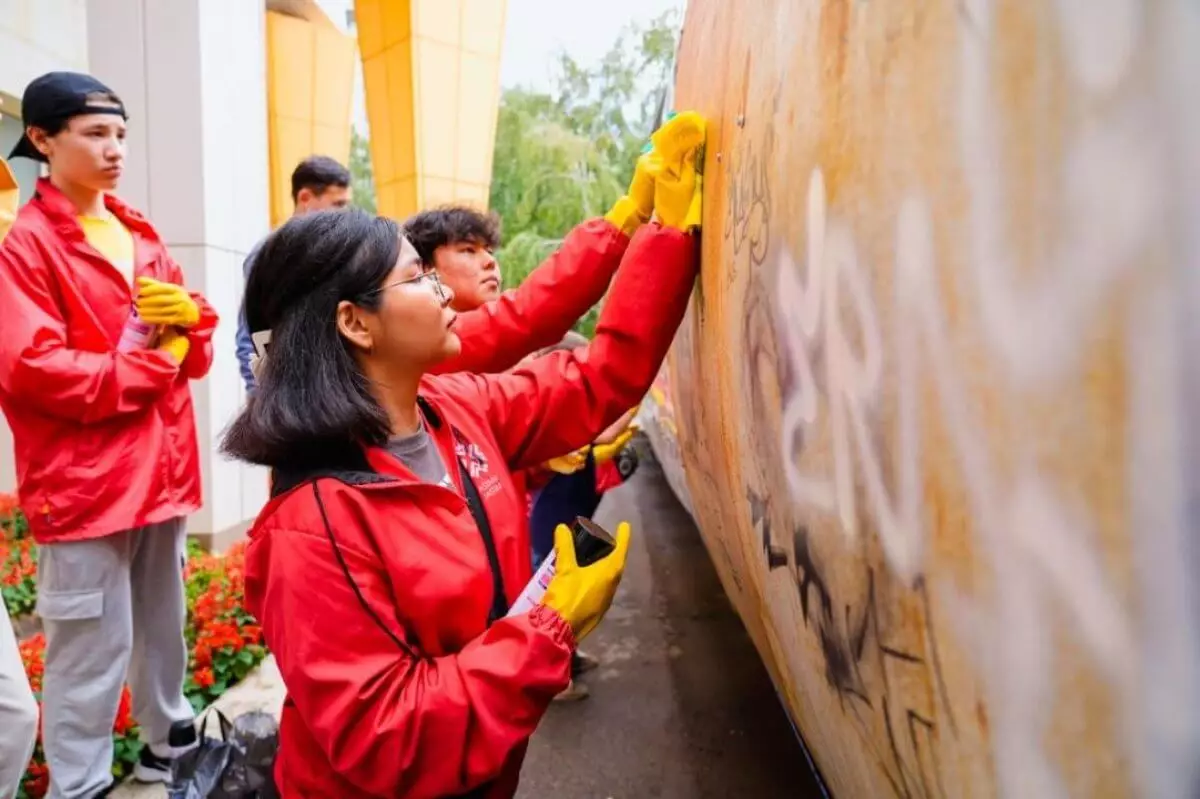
x,y
566,156
362,176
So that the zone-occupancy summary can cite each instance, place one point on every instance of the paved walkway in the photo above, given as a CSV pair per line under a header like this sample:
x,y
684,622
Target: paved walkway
x,y
682,707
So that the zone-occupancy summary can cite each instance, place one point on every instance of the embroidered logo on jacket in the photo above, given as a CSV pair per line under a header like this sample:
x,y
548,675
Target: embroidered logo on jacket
x,y
472,457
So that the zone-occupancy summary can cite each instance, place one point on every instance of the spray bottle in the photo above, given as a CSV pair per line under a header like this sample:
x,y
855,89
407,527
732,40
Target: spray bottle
x,y
592,543
137,335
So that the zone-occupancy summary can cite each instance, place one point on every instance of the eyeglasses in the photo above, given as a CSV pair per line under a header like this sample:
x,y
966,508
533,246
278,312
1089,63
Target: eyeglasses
x,y
431,275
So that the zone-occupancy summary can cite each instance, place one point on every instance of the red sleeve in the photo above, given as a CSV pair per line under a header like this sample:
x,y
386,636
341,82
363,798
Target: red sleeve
x,y
37,366
390,722
562,401
200,351
543,308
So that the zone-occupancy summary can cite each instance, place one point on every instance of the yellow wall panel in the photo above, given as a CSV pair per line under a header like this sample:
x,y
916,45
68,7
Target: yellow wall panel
x,y
477,99
473,194
328,139
431,98
368,16
438,191
333,80
290,140
397,22
400,103
437,71
310,78
375,85
480,21
290,75
440,20
400,194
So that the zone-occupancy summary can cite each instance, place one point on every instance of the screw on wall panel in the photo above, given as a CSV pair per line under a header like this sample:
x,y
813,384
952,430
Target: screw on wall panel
x,y
718,158
741,120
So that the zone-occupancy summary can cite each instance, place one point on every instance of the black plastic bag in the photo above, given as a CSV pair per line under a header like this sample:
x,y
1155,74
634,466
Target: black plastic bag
x,y
198,773
238,765
250,773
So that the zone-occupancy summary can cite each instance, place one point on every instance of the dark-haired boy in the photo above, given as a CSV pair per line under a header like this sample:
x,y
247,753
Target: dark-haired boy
x,y
318,183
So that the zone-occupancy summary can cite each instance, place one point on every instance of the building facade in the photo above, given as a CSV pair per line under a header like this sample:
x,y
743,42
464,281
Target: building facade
x,y
193,76
224,98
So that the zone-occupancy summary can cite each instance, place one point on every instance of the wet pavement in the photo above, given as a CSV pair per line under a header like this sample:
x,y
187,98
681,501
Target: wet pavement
x,y
681,707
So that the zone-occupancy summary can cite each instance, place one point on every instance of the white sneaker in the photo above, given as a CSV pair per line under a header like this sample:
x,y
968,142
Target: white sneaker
x,y
154,763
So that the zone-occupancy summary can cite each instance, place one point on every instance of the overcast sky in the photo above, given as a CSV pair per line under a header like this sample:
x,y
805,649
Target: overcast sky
x,y
538,29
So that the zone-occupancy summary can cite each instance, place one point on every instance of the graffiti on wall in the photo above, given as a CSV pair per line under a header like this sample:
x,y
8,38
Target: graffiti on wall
x,y
967,430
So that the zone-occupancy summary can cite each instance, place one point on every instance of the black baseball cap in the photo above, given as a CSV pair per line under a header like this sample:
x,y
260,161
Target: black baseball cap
x,y
56,97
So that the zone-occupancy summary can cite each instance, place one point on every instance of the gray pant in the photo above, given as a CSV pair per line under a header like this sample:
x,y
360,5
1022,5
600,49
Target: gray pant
x,y
18,712
113,608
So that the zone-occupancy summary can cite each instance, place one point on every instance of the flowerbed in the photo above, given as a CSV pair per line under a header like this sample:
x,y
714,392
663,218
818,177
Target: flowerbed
x,y
18,560
224,641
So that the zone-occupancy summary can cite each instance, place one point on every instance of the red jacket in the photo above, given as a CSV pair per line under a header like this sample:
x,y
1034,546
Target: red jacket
x,y
374,589
540,311
104,441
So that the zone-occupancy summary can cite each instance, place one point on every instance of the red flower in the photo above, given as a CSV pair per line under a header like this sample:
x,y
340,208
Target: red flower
x,y
204,678
124,722
37,779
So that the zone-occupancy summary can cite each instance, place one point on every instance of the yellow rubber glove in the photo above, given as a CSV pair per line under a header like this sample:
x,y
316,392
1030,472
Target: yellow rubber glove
x,y
677,182
9,195
582,595
634,209
606,452
569,463
165,304
174,343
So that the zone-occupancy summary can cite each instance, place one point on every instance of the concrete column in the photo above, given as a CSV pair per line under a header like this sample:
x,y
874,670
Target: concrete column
x,y
193,76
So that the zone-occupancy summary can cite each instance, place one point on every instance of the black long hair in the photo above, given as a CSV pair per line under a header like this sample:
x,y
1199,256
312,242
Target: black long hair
x,y
312,400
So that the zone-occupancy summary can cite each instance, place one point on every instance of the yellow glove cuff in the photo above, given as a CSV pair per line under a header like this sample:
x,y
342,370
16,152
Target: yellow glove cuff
x,y
176,345
626,216
606,452
568,464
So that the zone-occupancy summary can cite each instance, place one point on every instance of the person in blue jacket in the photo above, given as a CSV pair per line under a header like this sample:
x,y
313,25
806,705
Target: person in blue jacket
x,y
319,183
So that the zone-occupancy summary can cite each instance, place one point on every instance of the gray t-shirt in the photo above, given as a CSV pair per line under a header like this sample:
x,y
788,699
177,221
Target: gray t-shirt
x,y
419,453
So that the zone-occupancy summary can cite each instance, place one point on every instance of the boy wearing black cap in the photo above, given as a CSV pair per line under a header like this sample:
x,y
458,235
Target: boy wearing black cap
x,y
104,436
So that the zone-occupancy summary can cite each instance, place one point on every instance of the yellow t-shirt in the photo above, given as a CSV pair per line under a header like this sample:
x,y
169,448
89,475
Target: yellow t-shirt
x,y
112,240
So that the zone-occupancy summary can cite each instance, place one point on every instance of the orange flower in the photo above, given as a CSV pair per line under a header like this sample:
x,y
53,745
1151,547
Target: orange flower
x,y
33,653
8,506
